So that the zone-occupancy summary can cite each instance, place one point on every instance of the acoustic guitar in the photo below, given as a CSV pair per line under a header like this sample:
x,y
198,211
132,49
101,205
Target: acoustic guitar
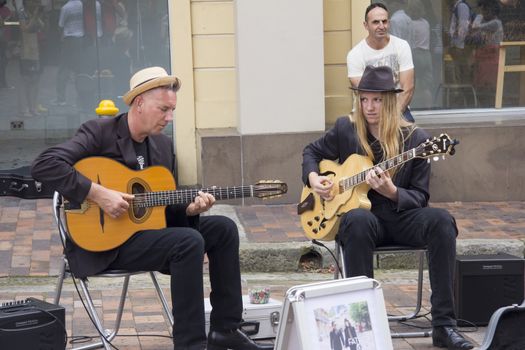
x,y
154,188
320,218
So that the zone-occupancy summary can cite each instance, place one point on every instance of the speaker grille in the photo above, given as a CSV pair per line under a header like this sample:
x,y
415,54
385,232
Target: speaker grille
x,y
485,283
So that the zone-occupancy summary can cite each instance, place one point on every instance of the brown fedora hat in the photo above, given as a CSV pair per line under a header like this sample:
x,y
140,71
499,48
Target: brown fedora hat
x,y
377,79
147,79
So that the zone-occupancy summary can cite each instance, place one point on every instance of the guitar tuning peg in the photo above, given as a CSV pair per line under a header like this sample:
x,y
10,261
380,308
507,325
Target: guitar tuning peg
x,y
443,157
435,158
428,160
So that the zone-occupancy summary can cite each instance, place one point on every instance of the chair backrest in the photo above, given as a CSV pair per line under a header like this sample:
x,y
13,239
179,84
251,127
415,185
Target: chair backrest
x,y
57,211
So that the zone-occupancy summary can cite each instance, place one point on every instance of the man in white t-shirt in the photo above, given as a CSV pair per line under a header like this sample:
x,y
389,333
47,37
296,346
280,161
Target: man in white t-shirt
x,y
380,48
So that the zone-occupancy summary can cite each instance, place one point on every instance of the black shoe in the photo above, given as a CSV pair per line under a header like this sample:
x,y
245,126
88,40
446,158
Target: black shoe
x,y
449,337
235,340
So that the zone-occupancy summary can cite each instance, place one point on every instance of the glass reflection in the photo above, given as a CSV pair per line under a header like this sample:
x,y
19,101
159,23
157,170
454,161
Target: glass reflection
x,y
58,59
455,49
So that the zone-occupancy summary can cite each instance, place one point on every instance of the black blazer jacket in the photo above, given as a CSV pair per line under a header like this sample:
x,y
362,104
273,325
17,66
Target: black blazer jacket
x,y
341,141
108,138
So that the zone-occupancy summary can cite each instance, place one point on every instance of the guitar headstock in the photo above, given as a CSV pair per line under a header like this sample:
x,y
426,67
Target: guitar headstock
x,y
269,188
436,146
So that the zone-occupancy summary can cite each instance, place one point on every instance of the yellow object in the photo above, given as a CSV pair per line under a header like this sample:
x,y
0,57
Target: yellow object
x,y
106,108
41,109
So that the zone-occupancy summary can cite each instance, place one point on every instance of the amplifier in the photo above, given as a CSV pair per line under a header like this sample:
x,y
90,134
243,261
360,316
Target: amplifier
x,y
32,324
485,283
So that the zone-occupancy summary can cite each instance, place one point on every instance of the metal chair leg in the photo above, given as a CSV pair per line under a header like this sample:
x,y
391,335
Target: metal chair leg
x,y
106,336
162,297
421,254
60,282
109,335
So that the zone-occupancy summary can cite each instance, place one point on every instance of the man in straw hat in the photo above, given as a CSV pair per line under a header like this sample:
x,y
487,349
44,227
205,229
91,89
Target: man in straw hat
x,y
399,213
135,139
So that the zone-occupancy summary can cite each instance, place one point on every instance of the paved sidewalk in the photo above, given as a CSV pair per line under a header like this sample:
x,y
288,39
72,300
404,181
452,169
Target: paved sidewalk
x,y
475,220
30,252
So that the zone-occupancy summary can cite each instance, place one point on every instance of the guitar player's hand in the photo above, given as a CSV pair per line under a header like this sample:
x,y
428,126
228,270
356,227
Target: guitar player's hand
x,y
322,185
203,202
113,203
381,182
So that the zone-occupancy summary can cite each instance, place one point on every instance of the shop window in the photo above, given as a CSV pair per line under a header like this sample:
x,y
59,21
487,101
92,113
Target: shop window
x,y
455,48
58,59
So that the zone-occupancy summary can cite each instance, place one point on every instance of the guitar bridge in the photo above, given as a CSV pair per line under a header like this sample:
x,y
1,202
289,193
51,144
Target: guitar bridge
x,y
75,208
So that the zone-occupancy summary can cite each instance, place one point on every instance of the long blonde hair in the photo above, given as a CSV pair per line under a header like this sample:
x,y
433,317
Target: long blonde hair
x,y
391,124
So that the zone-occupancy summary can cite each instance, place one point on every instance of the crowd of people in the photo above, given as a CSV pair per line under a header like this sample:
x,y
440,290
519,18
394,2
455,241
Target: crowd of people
x,y
458,46
88,48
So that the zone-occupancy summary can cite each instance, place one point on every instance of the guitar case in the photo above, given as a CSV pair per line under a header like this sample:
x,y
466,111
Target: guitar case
x,y
19,183
505,329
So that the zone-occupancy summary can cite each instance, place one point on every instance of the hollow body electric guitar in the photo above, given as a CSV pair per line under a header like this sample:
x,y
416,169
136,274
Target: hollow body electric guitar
x,y
154,188
320,218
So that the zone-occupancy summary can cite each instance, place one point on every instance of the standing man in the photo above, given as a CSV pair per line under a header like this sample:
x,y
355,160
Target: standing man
x,y
71,22
460,22
135,139
380,48
400,21
399,197
336,338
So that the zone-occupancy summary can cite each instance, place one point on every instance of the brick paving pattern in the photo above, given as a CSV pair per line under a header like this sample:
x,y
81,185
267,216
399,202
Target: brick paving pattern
x,y
488,220
30,246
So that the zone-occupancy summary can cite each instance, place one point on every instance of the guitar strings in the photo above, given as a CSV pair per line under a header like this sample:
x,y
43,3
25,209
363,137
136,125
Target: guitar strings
x,y
185,196
157,198
358,178
167,197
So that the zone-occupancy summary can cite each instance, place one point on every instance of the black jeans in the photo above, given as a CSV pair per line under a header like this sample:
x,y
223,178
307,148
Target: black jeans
x,y
179,251
362,230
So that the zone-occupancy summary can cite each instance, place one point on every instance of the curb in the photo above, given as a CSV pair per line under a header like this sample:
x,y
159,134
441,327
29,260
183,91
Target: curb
x,y
287,256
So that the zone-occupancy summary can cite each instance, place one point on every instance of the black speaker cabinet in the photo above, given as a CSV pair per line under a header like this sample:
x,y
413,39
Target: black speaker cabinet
x,y
485,283
32,324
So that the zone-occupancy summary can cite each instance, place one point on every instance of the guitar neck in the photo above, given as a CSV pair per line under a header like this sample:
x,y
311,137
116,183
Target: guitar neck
x,y
351,181
162,198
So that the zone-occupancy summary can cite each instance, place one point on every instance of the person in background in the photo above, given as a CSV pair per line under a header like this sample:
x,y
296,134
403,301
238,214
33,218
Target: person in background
x,y
421,55
5,14
460,53
31,25
400,21
72,23
380,48
488,30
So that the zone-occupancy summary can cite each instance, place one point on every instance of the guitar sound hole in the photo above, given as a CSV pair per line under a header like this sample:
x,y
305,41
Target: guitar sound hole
x,y
138,212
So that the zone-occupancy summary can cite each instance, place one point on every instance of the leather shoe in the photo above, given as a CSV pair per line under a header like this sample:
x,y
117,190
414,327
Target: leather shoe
x,y
234,340
449,337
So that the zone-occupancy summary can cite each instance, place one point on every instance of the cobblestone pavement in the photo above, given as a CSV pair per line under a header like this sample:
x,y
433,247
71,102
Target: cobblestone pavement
x,y
30,258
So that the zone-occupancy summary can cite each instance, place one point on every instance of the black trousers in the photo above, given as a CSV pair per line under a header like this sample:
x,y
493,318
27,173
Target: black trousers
x,y
179,251
362,230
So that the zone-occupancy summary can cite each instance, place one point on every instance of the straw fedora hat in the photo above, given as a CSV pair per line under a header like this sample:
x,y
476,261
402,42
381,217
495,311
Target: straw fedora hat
x,y
377,79
147,79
